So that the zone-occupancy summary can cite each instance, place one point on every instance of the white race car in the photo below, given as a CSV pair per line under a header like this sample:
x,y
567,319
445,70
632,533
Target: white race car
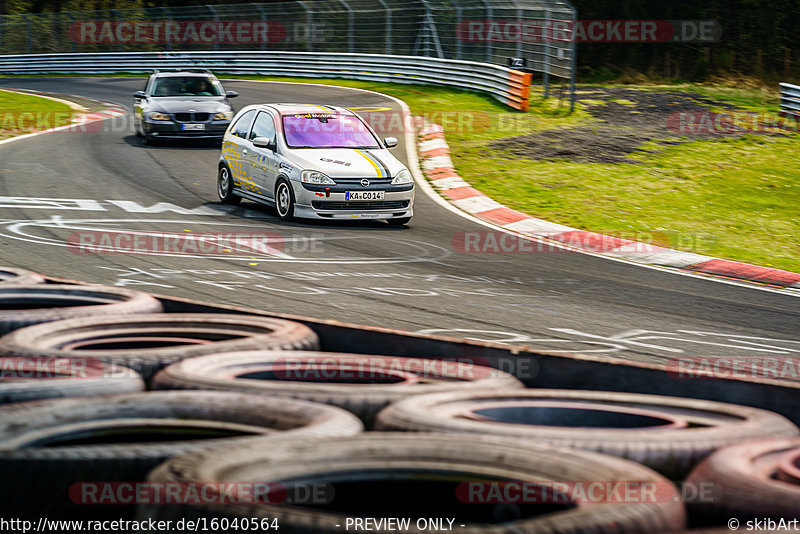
x,y
321,162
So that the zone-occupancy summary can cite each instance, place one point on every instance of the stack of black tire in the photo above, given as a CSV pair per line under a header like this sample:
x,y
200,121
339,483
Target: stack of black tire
x,y
107,398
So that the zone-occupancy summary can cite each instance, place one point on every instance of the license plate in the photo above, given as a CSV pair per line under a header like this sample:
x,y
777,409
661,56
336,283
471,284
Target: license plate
x,y
364,195
193,126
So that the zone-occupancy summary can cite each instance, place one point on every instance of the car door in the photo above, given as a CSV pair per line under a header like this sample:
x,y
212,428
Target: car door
x,y
235,152
263,161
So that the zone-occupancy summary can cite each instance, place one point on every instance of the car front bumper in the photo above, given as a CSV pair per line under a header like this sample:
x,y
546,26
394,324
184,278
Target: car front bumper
x,y
175,130
332,204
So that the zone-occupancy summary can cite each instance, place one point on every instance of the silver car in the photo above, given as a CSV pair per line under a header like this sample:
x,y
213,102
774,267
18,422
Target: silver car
x,y
309,161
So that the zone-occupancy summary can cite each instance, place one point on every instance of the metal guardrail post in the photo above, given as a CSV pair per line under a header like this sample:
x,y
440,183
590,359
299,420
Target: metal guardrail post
x,y
28,36
351,27
167,20
309,18
263,17
573,52
388,11
459,10
115,16
428,30
71,38
489,15
519,25
215,18
546,60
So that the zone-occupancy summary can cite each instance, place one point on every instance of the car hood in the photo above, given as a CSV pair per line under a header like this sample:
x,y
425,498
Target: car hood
x,y
200,105
347,162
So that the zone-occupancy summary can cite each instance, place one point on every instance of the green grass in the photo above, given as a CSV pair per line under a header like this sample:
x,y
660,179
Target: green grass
x,y
735,199
24,113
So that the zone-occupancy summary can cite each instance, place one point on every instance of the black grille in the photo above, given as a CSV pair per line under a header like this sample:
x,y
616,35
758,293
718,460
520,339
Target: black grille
x,y
191,117
357,181
377,205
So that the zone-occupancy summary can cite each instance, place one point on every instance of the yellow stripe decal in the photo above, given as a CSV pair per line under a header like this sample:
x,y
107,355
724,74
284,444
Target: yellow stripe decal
x,y
378,172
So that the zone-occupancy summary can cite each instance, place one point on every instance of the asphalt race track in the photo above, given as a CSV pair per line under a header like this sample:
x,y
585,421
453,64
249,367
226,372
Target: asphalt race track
x,y
363,272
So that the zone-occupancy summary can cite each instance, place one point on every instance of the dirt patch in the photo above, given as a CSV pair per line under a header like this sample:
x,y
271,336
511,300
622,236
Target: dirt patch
x,y
625,120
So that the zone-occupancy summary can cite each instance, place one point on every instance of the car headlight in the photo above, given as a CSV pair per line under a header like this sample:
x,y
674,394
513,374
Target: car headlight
x,y
403,177
158,116
223,116
316,177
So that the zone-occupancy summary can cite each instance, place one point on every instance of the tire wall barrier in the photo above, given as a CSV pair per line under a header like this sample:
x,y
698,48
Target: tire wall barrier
x,y
228,391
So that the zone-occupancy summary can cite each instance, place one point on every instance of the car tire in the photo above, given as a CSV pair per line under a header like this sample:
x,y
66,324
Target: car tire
x,y
284,200
747,481
428,475
401,221
48,448
149,342
28,379
22,306
362,384
668,434
11,276
225,186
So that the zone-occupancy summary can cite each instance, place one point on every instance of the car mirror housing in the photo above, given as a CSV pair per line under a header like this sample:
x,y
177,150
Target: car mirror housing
x,y
264,142
390,142
231,94
139,94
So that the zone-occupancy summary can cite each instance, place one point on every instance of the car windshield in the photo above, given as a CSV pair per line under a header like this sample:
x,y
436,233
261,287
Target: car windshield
x,y
187,86
327,130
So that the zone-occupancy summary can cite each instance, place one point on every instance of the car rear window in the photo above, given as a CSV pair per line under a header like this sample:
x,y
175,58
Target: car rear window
x,y
327,130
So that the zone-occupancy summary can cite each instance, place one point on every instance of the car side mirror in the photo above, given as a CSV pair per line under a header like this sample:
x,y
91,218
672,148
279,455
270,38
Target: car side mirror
x,y
231,94
390,142
139,94
264,142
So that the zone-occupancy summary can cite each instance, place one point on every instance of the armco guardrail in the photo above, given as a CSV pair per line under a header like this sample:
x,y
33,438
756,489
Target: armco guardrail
x,y
507,85
790,100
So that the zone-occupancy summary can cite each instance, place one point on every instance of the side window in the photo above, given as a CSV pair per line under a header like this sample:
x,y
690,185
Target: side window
x,y
264,126
242,125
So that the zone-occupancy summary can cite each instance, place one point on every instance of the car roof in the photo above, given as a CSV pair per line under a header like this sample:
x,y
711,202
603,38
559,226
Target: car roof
x,y
183,74
290,108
